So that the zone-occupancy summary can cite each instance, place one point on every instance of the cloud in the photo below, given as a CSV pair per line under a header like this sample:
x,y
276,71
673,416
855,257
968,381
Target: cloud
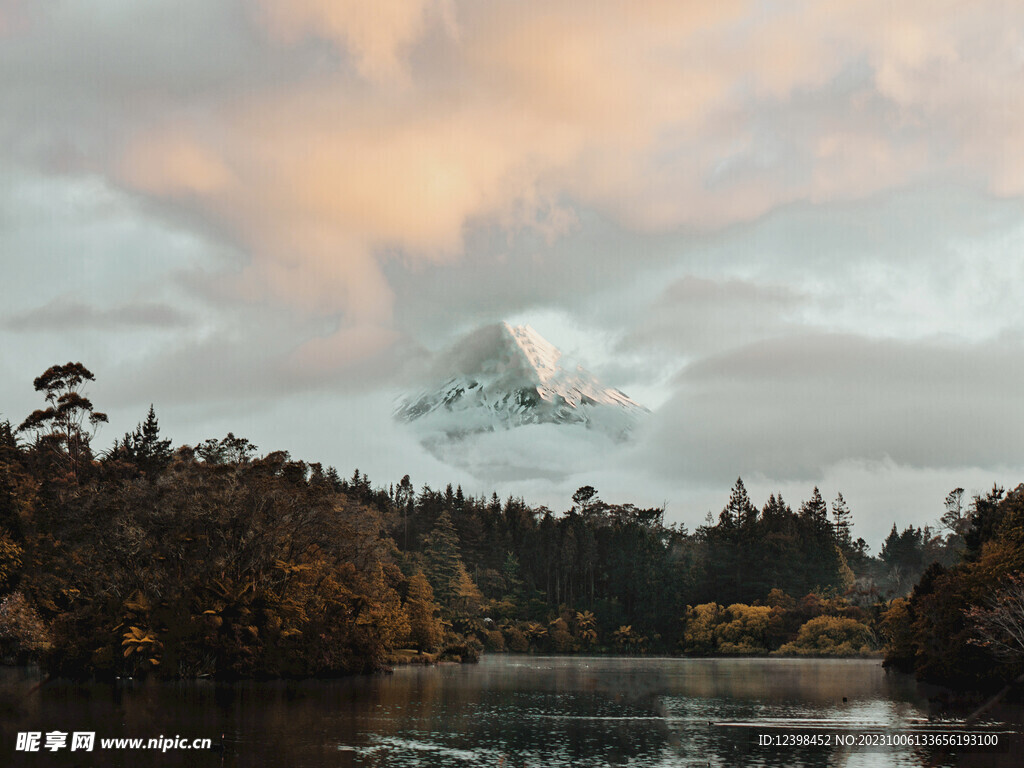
x,y
378,35
431,118
699,315
260,356
546,452
71,316
787,408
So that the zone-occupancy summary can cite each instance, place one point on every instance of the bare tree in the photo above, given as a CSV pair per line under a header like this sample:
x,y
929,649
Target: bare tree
x,y
999,624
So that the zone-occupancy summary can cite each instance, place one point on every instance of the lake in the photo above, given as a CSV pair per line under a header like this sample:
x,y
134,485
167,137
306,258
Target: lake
x,y
515,711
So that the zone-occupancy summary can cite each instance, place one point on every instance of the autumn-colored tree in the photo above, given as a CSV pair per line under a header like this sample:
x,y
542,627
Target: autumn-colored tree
x,y
744,629
23,635
425,627
897,631
466,598
10,559
586,629
627,640
831,636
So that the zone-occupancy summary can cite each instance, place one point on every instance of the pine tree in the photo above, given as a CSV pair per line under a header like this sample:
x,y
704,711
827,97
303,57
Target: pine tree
x,y
510,573
779,547
405,498
425,627
739,511
443,560
819,566
842,517
156,452
467,596
143,446
815,510
728,549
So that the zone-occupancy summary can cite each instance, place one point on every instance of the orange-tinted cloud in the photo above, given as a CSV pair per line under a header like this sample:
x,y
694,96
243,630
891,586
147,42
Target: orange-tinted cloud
x,y
377,34
658,114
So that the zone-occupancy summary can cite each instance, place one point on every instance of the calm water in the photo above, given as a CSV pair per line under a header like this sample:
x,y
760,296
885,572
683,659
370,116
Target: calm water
x,y
510,711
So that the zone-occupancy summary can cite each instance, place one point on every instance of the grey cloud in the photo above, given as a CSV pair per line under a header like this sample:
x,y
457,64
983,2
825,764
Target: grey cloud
x,y
699,315
258,358
704,293
77,78
788,408
921,226
597,272
70,316
843,267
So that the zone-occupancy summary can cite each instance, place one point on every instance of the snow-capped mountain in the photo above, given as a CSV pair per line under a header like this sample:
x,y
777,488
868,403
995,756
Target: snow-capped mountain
x,y
502,376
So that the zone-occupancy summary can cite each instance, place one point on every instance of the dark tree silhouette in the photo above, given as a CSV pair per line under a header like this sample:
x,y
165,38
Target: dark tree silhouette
x,y
68,423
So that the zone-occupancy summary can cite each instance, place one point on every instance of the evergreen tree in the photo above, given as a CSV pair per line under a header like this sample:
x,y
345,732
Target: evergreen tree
x,y
903,556
728,547
443,561
739,511
467,598
425,627
986,515
841,520
405,503
819,566
779,548
154,451
143,447
510,573
815,510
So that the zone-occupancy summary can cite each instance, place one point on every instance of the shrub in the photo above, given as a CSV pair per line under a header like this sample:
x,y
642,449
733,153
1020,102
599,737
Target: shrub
x,y
558,633
746,630
699,635
494,641
897,629
516,640
10,558
23,635
831,636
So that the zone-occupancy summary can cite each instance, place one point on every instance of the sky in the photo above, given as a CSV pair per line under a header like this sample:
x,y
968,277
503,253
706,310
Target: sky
x,y
793,230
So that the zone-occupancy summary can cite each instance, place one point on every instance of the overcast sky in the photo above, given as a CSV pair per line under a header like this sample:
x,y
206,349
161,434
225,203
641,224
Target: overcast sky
x,y
793,230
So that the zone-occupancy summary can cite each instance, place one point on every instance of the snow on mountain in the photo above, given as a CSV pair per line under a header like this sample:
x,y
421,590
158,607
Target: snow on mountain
x,y
501,377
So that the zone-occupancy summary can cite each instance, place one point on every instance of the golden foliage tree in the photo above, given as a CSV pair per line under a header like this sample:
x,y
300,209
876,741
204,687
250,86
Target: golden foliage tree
x,y
425,628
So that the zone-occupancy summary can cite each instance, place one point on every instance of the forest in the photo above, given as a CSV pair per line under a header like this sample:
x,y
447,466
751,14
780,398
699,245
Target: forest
x,y
216,560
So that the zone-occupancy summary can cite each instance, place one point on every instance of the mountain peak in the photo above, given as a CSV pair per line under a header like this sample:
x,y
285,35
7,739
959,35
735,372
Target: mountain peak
x,y
542,355
504,376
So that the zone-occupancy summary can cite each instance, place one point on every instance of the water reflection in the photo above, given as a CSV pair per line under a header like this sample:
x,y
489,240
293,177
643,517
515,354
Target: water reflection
x,y
507,711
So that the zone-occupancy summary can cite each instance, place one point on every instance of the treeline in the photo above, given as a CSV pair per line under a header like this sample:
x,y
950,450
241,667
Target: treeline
x,y
212,560
963,623
204,561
